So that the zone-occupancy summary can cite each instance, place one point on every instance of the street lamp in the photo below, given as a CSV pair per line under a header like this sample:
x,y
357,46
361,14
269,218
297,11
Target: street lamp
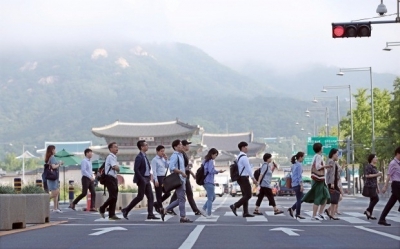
x,y
390,44
315,100
324,90
360,69
326,110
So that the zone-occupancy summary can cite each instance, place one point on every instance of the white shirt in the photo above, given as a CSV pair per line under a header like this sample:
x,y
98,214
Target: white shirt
x,y
110,162
244,163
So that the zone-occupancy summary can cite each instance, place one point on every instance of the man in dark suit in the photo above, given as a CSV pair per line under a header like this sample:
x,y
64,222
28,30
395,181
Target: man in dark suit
x,y
142,177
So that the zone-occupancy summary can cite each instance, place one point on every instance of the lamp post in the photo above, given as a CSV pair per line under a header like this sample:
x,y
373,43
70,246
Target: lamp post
x,y
360,69
315,100
324,90
326,110
390,44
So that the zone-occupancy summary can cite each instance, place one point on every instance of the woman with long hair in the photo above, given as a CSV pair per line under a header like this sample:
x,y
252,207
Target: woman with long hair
x,y
264,181
371,188
333,179
297,183
209,186
52,185
319,193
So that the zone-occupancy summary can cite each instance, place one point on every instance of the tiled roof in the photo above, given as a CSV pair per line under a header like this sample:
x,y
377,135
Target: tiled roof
x,y
229,142
136,130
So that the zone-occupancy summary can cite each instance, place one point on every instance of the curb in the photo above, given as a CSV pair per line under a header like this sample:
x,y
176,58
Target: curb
x,y
33,227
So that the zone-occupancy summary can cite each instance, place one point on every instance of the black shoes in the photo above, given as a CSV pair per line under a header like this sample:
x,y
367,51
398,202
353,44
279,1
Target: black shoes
x,y
114,218
152,217
185,220
198,213
124,213
256,212
367,214
156,207
300,217
384,223
102,213
72,206
290,210
247,215
162,214
278,212
233,208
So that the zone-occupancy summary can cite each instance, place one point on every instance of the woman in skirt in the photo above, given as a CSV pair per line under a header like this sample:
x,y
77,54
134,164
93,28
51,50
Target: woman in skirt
x,y
332,179
318,194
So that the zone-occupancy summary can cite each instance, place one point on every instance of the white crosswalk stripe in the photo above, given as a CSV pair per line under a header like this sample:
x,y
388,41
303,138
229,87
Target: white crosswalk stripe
x,y
204,219
271,213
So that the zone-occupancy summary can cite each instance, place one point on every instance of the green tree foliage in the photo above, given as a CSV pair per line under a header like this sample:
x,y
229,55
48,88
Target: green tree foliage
x,y
393,129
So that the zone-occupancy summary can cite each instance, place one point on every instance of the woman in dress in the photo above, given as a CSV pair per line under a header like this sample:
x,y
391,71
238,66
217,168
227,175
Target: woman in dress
x,y
332,179
297,184
318,194
209,185
371,188
264,181
52,185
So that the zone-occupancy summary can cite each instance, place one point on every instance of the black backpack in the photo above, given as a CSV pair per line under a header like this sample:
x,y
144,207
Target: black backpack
x,y
234,170
200,177
102,173
257,173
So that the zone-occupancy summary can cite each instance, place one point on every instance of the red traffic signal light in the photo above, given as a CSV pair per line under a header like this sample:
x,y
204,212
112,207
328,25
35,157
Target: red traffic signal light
x,y
342,30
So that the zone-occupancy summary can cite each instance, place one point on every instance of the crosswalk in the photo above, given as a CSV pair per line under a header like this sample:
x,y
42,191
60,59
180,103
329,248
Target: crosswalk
x,y
227,216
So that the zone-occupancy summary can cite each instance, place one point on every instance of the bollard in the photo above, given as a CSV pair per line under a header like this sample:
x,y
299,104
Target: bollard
x,y
17,185
71,191
39,183
88,200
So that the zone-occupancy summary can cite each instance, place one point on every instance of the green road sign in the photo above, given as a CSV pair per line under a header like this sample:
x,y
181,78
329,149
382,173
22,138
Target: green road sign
x,y
327,142
307,160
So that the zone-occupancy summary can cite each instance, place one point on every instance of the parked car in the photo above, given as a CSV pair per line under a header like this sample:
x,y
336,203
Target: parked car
x,y
235,189
226,188
219,190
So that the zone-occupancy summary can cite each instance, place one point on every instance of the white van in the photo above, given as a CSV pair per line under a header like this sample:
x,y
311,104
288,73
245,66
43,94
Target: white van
x,y
219,189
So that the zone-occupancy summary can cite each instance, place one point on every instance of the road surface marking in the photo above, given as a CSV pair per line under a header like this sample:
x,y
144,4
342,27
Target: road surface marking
x,y
222,203
107,220
204,219
106,230
193,236
288,231
167,217
354,220
258,218
239,213
271,213
380,233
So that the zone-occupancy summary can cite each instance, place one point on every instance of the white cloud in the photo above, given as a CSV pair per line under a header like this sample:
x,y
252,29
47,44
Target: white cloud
x,y
29,66
122,62
99,52
47,80
139,51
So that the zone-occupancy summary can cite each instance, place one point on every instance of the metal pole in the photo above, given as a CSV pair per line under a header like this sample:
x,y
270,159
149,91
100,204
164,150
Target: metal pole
x,y
23,163
372,111
326,122
352,138
338,116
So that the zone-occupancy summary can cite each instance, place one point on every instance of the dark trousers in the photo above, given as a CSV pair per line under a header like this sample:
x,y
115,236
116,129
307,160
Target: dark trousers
x,y
394,197
111,184
373,200
268,193
299,195
189,195
87,184
144,188
160,198
245,187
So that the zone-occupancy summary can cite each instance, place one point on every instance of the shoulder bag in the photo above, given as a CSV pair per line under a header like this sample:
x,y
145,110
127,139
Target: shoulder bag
x,y
317,175
172,181
51,174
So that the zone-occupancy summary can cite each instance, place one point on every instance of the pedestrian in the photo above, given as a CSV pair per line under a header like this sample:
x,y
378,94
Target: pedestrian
x,y
159,164
209,185
371,188
87,182
243,181
52,185
188,172
318,194
142,178
264,181
111,183
340,188
176,165
394,176
297,183
332,179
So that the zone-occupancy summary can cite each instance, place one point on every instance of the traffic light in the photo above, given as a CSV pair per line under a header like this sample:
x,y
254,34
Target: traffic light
x,y
351,29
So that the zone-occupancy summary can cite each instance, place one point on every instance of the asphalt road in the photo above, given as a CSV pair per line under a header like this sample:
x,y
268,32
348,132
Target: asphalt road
x,y
88,230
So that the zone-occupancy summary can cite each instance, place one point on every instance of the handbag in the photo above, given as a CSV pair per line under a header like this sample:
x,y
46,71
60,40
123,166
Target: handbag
x,y
172,181
51,174
335,196
317,175
369,192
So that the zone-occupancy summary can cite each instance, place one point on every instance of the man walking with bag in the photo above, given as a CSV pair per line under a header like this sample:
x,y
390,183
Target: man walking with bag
x,y
159,164
142,177
243,181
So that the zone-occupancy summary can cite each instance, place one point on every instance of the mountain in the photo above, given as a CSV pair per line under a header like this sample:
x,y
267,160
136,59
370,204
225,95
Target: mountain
x,y
60,93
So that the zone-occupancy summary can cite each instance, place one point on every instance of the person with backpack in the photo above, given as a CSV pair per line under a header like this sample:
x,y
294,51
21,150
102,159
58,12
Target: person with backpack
x,y
87,182
297,184
244,169
111,183
188,172
209,186
264,181
319,193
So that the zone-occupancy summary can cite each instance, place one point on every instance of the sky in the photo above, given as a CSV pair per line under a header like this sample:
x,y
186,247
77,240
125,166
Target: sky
x,y
284,35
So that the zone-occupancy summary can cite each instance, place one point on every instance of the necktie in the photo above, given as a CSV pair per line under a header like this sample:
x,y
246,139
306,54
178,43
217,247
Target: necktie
x,y
148,164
